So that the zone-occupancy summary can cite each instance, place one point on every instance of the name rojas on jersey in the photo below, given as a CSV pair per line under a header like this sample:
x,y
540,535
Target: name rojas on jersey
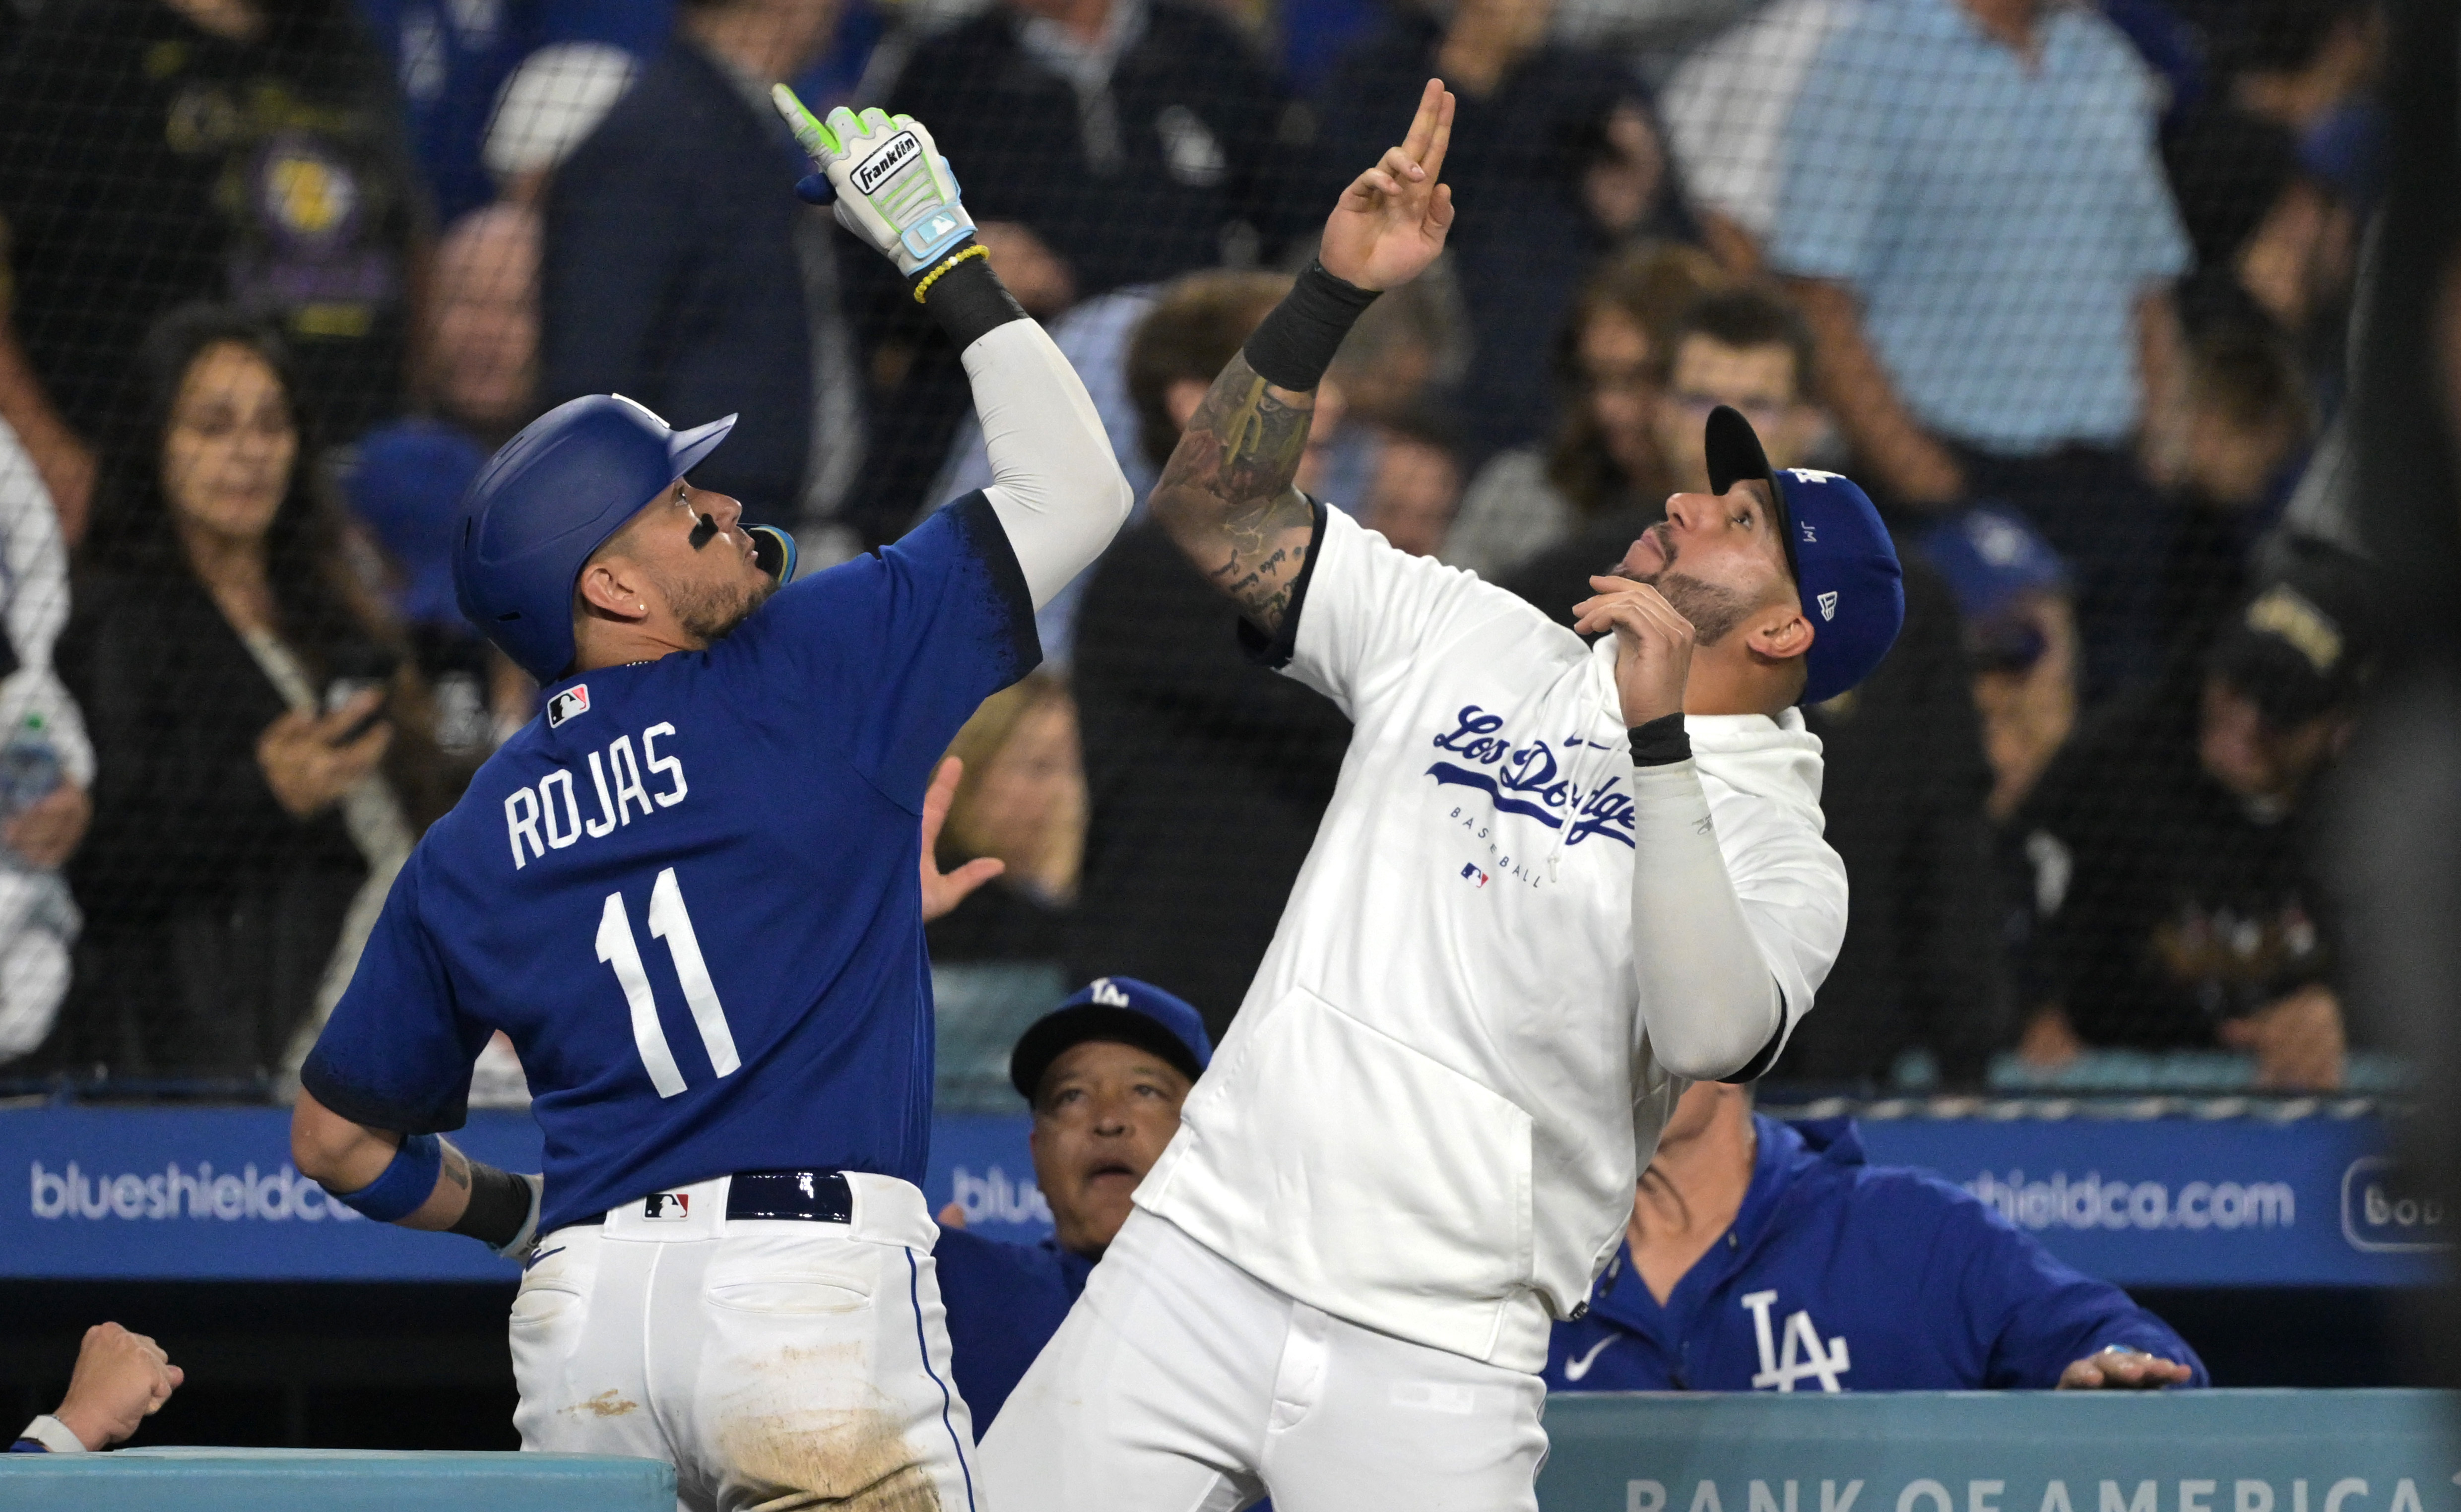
x,y
546,815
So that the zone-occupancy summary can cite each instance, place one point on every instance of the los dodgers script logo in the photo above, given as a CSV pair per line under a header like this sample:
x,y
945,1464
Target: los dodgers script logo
x,y
882,165
1529,781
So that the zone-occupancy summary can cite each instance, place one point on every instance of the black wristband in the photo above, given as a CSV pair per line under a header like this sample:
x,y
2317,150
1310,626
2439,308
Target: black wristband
x,y
500,1204
1661,742
966,297
1296,342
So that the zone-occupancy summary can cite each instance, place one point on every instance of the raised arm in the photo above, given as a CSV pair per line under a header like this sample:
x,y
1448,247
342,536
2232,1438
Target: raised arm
x,y
1058,490
1225,496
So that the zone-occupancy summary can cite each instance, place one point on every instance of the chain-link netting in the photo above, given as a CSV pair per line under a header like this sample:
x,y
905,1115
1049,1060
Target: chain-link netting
x,y
2064,286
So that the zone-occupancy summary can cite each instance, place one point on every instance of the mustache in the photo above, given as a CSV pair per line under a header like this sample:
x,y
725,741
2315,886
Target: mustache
x,y
1665,539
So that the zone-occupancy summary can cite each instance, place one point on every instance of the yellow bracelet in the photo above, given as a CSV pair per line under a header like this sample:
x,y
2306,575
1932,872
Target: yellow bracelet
x,y
933,276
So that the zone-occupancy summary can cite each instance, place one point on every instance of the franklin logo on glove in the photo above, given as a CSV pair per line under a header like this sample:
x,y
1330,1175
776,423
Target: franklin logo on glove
x,y
877,169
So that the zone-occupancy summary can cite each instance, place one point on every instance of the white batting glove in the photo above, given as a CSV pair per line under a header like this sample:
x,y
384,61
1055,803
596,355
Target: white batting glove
x,y
892,187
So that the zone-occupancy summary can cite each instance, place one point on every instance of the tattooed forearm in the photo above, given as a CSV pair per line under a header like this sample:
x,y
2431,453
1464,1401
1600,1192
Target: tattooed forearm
x,y
1225,496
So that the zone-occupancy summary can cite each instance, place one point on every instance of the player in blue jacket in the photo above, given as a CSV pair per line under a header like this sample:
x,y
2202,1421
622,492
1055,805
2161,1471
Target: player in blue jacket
x,y
1104,1072
691,893
1768,1256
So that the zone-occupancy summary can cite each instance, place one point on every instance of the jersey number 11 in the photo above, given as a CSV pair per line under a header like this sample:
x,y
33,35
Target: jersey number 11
x,y
669,921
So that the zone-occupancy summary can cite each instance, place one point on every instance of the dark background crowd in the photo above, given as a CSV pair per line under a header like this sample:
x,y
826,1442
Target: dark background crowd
x,y
2066,284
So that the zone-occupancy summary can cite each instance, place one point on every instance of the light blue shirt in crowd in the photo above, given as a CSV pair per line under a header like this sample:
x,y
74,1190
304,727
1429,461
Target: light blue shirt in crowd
x,y
1999,222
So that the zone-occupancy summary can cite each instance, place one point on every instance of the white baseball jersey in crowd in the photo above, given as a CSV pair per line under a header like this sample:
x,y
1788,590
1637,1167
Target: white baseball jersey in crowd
x,y
1508,954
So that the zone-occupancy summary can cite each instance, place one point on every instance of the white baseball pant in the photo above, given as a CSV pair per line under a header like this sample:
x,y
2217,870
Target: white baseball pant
x,y
775,1363
1180,1383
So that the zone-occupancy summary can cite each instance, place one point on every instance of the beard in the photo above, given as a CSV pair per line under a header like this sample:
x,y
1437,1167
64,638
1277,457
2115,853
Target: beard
x,y
709,612
1713,610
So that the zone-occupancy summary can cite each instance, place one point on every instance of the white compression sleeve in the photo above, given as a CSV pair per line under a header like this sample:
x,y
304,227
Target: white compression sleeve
x,y
1708,1000
1056,486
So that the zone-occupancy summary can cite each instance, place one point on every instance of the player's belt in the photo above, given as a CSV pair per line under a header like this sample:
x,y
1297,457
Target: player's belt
x,y
813,1196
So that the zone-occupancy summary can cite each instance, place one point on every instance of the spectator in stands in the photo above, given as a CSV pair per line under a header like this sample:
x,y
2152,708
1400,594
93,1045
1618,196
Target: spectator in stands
x,y
1770,1256
1980,232
674,277
1556,160
1105,1072
162,150
1205,774
1604,463
45,761
1103,143
121,1379
2174,844
2013,598
404,481
1742,347
454,61
2243,441
2275,216
1416,486
1021,803
259,738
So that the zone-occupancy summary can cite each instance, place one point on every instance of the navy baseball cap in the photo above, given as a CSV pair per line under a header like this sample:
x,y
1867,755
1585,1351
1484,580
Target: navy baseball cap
x,y
1121,1009
1993,561
1844,566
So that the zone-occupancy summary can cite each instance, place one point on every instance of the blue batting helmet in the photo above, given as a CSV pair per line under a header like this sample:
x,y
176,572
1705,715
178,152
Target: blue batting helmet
x,y
548,499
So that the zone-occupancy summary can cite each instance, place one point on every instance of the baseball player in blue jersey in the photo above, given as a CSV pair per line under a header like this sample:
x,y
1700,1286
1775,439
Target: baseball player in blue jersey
x,y
689,892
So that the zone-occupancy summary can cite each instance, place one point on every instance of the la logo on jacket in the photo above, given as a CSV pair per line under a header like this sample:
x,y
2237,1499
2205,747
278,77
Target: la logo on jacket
x,y
1802,1358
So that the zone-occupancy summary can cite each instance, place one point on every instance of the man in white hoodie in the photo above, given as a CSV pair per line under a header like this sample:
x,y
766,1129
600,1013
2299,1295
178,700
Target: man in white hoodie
x,y
1557,883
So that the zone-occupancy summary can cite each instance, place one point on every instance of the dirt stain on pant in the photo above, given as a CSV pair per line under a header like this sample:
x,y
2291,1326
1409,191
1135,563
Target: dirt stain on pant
x,y
856,1459
605,1404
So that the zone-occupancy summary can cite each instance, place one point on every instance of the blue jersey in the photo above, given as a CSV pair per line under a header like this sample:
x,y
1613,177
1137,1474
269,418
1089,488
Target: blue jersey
x,y
1839,1275
1004,1302
689,892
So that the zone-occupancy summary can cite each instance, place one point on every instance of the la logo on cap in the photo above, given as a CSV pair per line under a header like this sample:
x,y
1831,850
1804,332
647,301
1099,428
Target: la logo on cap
x,y
1829,605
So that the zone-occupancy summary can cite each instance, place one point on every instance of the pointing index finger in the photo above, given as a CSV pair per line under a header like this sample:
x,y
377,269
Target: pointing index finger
x,y
1423,125
1433,158
809,134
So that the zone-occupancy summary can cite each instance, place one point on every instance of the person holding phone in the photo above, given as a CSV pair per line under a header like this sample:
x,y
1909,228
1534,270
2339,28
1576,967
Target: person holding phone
x,y
262,753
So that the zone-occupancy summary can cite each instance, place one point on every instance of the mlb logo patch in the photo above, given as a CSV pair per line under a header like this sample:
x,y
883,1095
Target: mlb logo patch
x,y
1829,605
1472,875
573,700
668,1208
